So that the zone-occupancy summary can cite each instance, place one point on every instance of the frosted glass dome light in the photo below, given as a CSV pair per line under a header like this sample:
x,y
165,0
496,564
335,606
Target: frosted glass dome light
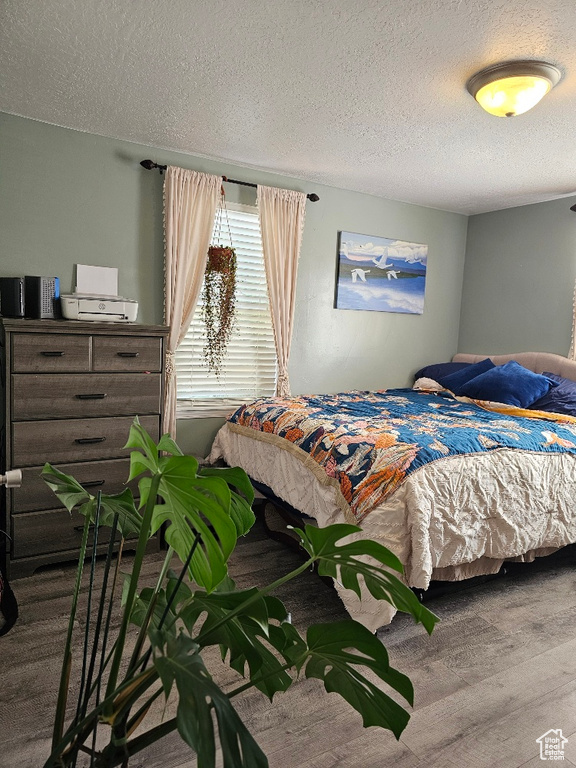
x,y
514,87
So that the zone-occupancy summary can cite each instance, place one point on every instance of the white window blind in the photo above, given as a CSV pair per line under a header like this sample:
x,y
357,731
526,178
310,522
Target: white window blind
x,y
249,368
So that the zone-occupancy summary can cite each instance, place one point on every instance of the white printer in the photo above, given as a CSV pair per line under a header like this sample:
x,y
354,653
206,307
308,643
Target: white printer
x,y
114,309
96,297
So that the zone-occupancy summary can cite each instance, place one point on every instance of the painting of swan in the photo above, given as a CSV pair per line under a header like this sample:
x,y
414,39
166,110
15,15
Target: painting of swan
x,y
380,274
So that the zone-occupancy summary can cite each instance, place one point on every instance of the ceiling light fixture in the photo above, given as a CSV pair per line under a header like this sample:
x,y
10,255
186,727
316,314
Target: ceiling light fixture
x,y
513,87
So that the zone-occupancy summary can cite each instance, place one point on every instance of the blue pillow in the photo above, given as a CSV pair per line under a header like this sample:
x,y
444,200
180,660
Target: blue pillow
x,y
510,383
560,399
455,381
436,371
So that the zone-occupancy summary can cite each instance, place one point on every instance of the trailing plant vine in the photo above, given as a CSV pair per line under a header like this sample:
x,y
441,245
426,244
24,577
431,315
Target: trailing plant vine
x,y
219,304
219,295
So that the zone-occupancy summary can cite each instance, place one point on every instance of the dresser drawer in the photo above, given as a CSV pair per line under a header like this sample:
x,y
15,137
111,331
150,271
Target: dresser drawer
x,y
127,353
35,442
52,396
47,352
39,533
106,476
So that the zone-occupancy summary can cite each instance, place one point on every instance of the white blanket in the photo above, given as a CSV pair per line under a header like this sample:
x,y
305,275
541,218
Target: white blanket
x,y
451,519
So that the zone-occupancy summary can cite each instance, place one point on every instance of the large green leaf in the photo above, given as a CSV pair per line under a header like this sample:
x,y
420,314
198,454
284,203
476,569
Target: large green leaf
x,y
208,564
346,562
182,590
146,458
240,503
233,476
182,593
247,636
140,463
241,514
140,439
121,504
169,446
195,504
336,650
142,604
68,490
178,661
149,458
72,494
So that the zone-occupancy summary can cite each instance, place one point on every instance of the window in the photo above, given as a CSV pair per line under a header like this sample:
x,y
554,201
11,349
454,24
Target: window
x,y
249,369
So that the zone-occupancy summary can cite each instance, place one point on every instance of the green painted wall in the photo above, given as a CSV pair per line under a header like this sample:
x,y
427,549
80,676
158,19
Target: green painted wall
x,y
519,280
69,197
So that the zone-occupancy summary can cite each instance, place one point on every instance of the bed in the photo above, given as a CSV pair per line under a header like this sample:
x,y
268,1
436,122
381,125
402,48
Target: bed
x,y
452,499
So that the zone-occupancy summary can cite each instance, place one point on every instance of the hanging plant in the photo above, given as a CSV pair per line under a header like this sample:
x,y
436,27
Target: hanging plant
x,y
219,297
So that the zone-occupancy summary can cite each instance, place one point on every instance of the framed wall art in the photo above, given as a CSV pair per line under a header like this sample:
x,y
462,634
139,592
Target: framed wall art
x,y
380,274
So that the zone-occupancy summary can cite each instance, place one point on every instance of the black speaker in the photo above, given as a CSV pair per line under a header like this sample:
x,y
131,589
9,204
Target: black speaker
x,y
42,297
12,296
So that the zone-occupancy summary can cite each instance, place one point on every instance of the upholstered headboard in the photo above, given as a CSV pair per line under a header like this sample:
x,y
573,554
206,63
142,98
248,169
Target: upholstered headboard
x,y
535,361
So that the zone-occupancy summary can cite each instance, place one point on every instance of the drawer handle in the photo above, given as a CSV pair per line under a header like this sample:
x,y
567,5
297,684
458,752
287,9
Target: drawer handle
x,y
52,353
96,396
127,354
92,483
89,440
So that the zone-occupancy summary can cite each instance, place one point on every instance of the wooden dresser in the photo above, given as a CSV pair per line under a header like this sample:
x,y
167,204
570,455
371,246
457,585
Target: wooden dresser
x,y
70,391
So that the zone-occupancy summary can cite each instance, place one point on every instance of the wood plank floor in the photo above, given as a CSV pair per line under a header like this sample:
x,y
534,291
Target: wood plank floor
x,y
498,672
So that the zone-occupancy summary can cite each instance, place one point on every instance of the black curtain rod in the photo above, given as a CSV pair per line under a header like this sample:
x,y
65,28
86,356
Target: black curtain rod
x,y
150,165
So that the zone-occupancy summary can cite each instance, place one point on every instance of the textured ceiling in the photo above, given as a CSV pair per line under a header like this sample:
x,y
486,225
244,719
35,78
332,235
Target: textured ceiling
x,y
360,94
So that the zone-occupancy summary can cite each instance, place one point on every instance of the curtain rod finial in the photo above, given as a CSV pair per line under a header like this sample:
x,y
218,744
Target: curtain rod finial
x,y
150,165
313,197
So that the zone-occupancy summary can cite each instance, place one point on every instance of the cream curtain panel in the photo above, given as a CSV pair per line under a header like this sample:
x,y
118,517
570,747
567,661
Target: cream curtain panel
x,y
281,213
190,201
572,353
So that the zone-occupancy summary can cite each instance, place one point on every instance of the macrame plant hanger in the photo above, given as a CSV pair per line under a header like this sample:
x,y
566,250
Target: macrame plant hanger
x,y
219,292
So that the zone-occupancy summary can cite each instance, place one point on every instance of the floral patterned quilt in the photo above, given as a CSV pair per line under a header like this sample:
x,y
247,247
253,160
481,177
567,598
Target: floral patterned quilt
x,y
369,442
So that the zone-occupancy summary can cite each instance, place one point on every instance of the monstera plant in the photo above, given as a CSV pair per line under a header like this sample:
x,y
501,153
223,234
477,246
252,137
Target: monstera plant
x,y
159,648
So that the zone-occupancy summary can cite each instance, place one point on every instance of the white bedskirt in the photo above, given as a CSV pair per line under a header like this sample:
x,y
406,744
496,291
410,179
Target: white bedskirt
x,y
457,517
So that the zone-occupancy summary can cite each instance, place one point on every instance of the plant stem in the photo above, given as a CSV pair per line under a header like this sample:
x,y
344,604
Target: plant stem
x,y
85,726
149,613
138,716
136,568
169,602
97,628
83,685
201,638
105,660
135,660
113,756
79,713
67,661
256,681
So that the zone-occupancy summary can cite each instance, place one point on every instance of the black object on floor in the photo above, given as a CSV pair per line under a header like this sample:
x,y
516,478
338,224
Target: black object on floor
x,y
8,606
